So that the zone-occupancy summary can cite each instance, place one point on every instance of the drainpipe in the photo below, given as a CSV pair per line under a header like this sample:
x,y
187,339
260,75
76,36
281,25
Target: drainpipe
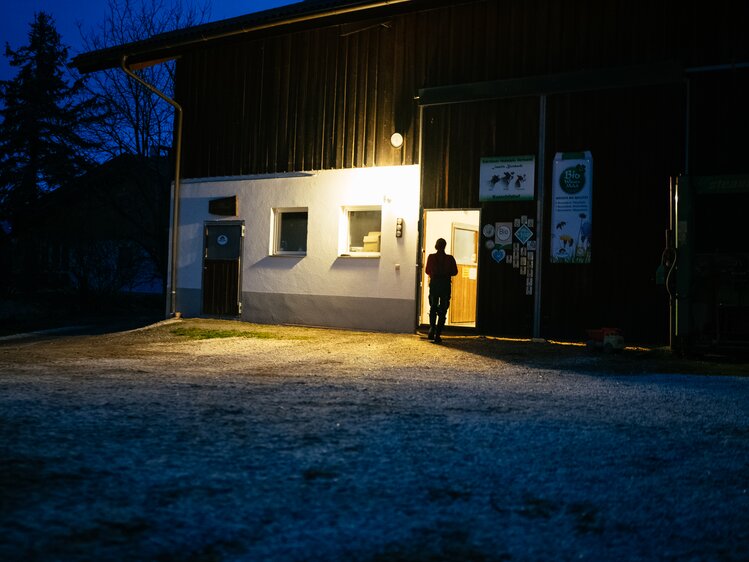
x,y
177,163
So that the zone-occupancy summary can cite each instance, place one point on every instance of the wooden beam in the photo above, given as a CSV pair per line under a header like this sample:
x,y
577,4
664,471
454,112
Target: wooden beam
x,y
553,84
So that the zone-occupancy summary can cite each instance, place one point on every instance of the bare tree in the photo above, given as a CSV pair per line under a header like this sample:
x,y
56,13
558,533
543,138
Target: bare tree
x,y
137,122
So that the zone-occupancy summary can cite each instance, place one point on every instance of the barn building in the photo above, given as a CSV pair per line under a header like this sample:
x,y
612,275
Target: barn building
x,y
325,145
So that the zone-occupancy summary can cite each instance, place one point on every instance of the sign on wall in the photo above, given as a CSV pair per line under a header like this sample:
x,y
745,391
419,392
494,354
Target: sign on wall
x,y
512,243
507,178
572,207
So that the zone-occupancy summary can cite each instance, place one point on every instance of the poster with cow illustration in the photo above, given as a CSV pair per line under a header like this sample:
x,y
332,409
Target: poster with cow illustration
x,y
507,178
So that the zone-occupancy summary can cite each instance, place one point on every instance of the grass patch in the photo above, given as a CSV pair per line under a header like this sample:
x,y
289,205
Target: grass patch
x,y
195,333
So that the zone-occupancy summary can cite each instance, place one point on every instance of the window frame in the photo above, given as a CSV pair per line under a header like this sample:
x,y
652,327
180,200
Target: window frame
x,y
277,223
344,242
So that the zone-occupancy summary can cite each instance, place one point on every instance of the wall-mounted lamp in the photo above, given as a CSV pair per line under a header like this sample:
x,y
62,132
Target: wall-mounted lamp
x,y
396,139
398,228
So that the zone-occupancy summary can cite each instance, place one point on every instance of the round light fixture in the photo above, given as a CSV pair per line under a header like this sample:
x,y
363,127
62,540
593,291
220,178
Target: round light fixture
x,y
396,139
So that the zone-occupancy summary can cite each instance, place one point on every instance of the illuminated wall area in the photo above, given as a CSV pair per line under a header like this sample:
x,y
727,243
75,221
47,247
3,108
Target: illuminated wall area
x,y
355,272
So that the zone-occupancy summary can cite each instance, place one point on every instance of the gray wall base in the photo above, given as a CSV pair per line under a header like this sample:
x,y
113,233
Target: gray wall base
x,y
358,313
190,302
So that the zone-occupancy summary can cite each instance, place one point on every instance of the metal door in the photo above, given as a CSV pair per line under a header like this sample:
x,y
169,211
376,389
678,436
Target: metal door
x,y
222,269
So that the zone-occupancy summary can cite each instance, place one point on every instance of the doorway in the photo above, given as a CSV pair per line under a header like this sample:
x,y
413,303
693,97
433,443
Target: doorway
x,y
460,229
222,259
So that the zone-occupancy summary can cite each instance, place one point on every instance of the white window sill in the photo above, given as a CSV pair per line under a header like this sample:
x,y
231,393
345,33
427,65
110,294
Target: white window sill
x,y
359,255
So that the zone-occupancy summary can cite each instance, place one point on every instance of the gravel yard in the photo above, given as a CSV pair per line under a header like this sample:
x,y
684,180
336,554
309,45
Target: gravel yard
x,y
284,443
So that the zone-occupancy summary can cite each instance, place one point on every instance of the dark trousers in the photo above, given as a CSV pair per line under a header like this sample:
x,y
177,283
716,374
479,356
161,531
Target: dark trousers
x,y
439,302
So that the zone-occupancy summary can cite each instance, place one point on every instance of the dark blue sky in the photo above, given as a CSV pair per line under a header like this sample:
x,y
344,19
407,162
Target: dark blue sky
x,y
16,15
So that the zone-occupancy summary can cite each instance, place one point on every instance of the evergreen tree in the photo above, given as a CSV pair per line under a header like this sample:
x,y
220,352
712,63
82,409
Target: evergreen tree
x,y
41,144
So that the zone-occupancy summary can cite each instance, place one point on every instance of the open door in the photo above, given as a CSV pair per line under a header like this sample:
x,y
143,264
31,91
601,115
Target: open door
x,y
459,228
465,243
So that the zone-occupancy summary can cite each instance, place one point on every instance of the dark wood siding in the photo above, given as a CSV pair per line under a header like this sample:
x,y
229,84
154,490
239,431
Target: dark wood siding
x,y
331,97
457,136
636,149
309,100
636,137
221,287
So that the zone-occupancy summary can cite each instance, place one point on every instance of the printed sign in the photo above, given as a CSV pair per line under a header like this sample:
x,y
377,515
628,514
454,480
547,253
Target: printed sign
x,y
523,234
572,207
503,235
507,178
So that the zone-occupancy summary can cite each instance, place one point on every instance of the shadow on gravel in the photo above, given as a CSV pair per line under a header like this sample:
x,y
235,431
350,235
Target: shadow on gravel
x,y
81,326
60,313
580,359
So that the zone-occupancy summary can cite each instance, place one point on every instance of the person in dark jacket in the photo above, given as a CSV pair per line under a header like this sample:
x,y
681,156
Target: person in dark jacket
x,y
441,268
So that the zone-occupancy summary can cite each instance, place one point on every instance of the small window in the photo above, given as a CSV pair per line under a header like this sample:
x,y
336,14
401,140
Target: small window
x,y
363,229
290,232
465,244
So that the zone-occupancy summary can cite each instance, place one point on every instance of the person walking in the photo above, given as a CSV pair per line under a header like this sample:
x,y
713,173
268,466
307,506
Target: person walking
x,y
441,268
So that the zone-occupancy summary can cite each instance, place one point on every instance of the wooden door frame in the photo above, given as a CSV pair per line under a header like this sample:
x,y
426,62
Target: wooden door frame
x,y
422,288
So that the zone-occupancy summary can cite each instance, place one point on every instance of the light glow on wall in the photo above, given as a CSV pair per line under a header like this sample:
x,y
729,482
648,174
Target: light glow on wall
x,y
321,270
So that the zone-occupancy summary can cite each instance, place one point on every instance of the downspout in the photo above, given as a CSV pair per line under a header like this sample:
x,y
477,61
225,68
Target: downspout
x,y
177,164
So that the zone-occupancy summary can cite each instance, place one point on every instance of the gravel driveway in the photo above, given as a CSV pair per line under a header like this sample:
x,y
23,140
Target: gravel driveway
x,y
284,443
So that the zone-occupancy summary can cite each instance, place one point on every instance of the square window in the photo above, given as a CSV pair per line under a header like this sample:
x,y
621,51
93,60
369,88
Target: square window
x,y
363,231
290,232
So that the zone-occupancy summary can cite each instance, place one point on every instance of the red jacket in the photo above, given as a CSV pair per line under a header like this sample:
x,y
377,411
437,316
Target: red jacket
x,y
441,266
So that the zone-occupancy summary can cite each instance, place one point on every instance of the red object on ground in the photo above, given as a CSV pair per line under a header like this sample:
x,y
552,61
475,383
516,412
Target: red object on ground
x,y
608,339
600,333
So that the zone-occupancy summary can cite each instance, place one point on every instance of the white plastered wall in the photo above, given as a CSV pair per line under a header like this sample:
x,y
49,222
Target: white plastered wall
x,y
322,271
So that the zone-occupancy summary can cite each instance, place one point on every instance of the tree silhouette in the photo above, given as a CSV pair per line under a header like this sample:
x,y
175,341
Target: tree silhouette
x,y
42,144
137,121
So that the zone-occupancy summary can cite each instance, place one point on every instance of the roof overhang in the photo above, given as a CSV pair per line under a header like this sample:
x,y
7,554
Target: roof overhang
x,y
170,45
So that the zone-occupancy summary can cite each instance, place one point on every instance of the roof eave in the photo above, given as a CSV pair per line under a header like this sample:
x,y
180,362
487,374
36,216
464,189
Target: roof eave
x,y
170,44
